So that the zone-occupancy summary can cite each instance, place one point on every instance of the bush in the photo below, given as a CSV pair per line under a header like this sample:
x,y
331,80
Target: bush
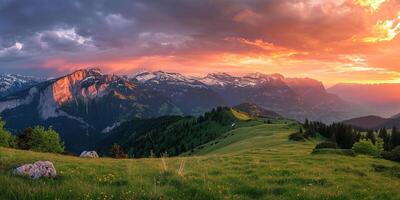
x,y
344,152
365,147
40,139
117,151
6,139
326,145
394,155
297,137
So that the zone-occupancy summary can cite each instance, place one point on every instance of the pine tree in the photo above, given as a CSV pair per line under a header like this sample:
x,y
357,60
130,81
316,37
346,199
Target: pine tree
x,y
371,136
382,133
395,139
306,123
386,139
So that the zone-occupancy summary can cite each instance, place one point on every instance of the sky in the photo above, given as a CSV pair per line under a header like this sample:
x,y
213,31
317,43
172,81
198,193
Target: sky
x,y
329,40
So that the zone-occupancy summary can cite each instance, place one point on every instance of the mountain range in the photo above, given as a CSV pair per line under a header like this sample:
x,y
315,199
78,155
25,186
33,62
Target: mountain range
x,y
373,122
10,83
85,105
376,99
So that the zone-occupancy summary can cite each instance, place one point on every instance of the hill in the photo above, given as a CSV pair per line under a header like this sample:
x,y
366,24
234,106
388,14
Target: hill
x,y
367,122
373,122
253,162
173,135
256,110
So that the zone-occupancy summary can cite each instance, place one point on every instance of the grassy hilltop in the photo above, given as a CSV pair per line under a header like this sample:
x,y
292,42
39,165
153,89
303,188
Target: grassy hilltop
x,y
253,162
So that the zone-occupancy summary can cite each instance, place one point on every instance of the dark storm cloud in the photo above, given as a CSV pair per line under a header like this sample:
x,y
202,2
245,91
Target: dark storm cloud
x,y
83,31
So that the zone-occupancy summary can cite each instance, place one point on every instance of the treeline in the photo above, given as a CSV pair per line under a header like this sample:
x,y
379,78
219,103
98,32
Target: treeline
x,y
172,135
35,139
382,143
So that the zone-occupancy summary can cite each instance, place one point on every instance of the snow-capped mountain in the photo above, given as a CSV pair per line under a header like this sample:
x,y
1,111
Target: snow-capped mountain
x,y
10,83
296,98
81,105
160,77
189,94
249,80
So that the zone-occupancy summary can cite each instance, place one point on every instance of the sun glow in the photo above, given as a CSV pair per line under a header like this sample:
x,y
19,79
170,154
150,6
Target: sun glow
x,y
372,4
385,30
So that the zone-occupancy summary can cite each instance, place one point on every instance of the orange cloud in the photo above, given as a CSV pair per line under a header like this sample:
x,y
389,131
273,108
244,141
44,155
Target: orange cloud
x,y
372,4
384,30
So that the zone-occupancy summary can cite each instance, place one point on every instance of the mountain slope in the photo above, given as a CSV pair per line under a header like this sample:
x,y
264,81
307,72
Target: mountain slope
x,y
367,122
81,105
172,135
257,162
296,98
11,83
255,110
378,99
190,95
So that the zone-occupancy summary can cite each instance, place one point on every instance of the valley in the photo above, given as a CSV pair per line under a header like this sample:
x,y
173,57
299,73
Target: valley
x,y
200,100
256,162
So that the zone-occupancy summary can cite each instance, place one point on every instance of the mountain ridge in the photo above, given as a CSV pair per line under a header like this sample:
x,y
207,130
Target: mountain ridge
x,y
86,103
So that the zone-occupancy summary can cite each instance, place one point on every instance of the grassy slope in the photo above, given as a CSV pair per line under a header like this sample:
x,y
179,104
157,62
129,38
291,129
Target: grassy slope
x,y
254,163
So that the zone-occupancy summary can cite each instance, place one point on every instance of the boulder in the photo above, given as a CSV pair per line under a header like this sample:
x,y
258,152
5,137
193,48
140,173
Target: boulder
x,y
37,170
89,154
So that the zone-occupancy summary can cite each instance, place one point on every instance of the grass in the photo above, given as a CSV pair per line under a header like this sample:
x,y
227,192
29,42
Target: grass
x,y
257,162
240,115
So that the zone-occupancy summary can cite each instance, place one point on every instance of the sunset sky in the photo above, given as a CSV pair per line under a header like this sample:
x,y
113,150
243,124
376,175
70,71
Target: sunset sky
x,y
330,40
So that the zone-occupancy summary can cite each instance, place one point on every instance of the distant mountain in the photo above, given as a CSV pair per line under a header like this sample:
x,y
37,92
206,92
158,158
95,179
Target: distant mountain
x,y
296,98
395,116
255,110
378,99
10,83
190,95
367,122
82,105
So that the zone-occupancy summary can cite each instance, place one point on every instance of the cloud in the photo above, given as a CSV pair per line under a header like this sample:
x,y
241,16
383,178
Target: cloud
x,y
294,37
384,30
372,4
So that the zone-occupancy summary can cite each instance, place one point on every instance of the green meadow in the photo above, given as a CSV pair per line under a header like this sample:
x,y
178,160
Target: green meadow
x,y
254,162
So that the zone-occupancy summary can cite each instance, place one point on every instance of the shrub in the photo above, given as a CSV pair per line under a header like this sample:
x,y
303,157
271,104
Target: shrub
x,y
394,155
117,151
326,145
297,137
365,147
24,139
40,139
6,139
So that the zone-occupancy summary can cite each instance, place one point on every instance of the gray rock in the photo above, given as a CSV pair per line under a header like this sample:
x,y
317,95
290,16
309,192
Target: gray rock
x,y
37,170
89,154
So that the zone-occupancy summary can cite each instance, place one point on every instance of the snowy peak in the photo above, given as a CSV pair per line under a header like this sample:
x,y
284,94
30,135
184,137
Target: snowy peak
x,y
90,83
248,80
10,83
160,77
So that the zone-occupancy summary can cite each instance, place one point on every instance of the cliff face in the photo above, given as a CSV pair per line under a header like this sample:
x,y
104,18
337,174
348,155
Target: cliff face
x,y
81,106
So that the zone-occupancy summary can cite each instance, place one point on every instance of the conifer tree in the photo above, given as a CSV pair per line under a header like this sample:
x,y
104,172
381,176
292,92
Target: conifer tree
x,y
371,136
395,139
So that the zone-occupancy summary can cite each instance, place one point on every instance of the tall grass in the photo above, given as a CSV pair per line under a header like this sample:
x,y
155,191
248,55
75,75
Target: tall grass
x,y
256,162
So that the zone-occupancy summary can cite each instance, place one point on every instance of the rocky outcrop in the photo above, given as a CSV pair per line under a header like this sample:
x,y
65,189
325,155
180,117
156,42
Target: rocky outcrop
x,y
37,170
89,154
